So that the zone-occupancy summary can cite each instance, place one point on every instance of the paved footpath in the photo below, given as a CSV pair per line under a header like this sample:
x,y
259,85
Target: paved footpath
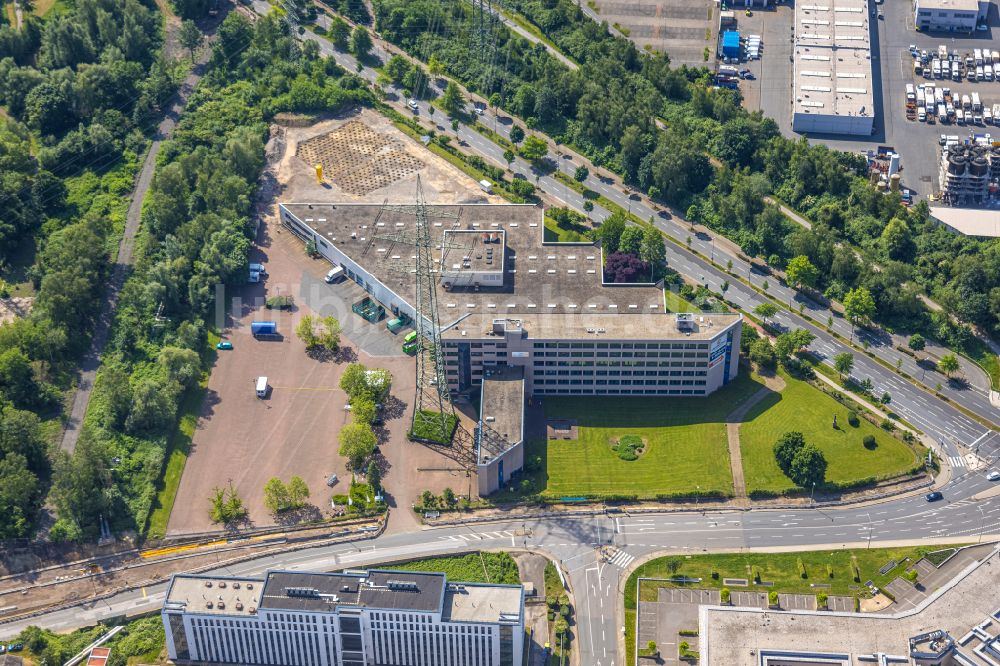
x,y
123,261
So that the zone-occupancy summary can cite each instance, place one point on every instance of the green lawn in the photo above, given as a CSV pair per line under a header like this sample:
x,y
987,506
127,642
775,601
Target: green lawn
x,y
779,568
676,303
471,568
686,444
556,234
806,409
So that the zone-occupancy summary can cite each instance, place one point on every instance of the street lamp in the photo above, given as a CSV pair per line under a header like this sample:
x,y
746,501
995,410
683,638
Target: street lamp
x,y
869,529
982,522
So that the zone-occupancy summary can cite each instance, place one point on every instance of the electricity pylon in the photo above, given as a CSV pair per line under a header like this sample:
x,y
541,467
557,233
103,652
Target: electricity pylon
x,y
433,413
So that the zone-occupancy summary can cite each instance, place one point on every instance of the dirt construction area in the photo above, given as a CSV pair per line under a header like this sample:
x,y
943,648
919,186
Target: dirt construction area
x,y
682,29
294,431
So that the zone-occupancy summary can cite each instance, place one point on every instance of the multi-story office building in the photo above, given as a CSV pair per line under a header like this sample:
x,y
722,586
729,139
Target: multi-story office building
x,y
508,300
949,15
384,618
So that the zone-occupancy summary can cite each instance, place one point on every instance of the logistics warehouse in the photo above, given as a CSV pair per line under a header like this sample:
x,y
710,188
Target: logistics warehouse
x,y
522,317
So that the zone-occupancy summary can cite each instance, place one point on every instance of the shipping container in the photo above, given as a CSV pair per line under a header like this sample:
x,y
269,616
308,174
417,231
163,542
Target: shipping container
x,y
262,328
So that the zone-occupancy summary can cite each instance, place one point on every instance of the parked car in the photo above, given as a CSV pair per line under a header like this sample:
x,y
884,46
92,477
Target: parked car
x,y
224,344
331,480
934,496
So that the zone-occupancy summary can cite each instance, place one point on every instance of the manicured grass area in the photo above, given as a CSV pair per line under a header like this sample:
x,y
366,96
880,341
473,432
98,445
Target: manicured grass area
x,y
178,449
804,408
556,234
428,430
779,568
472,568
676,303
43,7
687,444
980,352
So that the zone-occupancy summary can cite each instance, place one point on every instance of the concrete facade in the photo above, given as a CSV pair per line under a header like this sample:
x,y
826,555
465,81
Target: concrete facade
x,y
391,618
949,15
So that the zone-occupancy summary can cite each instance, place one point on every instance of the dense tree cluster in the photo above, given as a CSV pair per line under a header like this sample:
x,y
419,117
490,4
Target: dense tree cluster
x,y
197,226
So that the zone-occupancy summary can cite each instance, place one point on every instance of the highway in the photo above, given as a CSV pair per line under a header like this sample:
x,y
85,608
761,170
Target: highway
x,y
577,541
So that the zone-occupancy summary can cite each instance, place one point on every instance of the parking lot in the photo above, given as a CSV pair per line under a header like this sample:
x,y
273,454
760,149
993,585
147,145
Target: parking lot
x,y
683,29
891,36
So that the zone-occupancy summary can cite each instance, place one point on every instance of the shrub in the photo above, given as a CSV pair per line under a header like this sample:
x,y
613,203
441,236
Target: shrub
x,y
911,575
821,599
627,447
888,425
852,419
725,594
870,442
772,598
715,575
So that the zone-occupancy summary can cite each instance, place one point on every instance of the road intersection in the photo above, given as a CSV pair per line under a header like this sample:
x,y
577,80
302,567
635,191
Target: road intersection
x,y
595,551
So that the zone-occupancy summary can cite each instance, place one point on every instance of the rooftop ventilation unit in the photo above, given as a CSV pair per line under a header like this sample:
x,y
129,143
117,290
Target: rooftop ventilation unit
x,y
402,585
685,321
302,592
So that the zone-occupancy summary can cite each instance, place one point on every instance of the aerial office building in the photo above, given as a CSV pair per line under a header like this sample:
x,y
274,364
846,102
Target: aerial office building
x,y
521,317
949,15
832,68
389,618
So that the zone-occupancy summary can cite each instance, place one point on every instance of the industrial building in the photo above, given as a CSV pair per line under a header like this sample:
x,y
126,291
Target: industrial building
x,y
832,69
969,172
506,299
390,618
949,15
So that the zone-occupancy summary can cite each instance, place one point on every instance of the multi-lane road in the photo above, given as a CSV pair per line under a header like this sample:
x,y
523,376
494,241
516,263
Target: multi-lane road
x,y
595,550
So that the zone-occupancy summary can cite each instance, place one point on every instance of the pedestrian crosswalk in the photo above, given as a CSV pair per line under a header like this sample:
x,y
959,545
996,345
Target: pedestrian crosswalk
x,y
956,461
478,536
621,559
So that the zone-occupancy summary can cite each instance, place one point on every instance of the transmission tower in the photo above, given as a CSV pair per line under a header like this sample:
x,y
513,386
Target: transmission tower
x,y
433,414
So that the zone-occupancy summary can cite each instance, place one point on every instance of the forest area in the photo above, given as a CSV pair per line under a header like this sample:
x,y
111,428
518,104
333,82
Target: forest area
x,y
712,159
80,91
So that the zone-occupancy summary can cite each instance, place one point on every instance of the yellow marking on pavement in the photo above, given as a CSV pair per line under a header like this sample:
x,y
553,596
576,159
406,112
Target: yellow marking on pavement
x,y
143,593
179,549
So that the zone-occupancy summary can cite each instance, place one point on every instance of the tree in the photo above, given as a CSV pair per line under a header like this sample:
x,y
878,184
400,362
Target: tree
x,y
357,443
298,492
227,507
762,353
801,272
276,496
948,365
190,36
631,241
534,149
317,331
786,448
765,311
653,250
495,101
434,66
374,476
843,362
581,174
339,32
353,382
508,157
808,467
448,495
792,341
859,305
182,365
516,134
916,342
361,42
363,409
453,101
625,268
610,232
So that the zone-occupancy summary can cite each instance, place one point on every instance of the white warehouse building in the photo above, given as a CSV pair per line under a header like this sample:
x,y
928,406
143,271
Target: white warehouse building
x,y
389,618
832,71
949,15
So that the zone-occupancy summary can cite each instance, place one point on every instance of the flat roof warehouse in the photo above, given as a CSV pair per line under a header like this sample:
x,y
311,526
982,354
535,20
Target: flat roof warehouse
x,y
832,59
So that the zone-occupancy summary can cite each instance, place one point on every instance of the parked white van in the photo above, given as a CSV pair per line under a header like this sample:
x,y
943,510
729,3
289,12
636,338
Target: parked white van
x,y
262,387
